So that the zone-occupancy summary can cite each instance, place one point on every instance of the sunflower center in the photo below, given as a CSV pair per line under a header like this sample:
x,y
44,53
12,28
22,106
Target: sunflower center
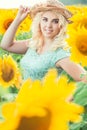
x,y
7,75
35,123
82,47
7,23
85,25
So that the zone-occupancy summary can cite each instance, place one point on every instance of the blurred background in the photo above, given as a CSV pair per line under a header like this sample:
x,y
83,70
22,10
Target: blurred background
x,y
16,3
70,2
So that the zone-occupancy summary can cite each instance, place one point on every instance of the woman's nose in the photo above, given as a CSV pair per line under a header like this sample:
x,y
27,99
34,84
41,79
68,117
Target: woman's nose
x,y
49,24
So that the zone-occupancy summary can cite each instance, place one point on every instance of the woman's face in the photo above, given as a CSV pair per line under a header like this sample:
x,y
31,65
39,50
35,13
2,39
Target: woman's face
x,y
49,25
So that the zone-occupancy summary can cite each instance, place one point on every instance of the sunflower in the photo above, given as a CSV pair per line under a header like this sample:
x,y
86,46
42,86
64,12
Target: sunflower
x,y
78,19
74,9
9,72
77,41
25,25
42,105
6,18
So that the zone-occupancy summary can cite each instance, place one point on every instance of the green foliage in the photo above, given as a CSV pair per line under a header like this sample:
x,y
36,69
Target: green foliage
x,y
25,35
3,91
1,37
80,97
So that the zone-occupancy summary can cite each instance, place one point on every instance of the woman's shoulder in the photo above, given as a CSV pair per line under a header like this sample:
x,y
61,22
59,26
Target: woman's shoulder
x,y
61,50
61,53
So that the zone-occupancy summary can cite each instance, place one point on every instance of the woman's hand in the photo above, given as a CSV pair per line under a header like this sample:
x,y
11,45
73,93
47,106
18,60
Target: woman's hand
x,y
22,13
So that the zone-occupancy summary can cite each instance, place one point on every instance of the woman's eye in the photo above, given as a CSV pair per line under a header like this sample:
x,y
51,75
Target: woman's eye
x,y
45,19
56,21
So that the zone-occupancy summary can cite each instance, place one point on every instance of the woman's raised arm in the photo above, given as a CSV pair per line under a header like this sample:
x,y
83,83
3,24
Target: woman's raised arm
x,y
8,43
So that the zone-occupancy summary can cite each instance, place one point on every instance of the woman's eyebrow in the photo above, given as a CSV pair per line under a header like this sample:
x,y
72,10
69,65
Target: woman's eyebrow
x,y
55,19
44,17
52,19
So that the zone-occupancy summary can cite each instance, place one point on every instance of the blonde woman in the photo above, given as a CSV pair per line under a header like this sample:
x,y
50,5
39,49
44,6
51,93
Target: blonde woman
x,y
45,50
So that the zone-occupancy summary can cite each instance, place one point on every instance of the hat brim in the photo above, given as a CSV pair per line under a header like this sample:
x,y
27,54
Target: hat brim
x,y
66,13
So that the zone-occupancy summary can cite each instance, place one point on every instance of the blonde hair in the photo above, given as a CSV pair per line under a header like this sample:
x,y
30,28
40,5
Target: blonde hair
x,y
58,40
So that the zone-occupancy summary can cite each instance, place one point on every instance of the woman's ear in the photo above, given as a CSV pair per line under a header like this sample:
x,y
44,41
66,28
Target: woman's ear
x,y
60,26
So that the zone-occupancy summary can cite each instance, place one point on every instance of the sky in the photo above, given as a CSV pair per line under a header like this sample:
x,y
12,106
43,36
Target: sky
x,y
17,3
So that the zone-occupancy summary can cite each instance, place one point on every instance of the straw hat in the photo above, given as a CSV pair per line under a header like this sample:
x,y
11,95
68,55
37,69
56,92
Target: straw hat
x,y
50,5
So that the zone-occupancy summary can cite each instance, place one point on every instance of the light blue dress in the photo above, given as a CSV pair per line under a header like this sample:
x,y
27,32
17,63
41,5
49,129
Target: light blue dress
x,y
35,65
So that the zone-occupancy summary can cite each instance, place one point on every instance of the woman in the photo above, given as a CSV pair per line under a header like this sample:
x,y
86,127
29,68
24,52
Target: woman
x,y
46,48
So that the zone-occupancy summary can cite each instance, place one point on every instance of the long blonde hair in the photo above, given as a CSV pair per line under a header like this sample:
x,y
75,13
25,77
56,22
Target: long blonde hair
x,y
37,39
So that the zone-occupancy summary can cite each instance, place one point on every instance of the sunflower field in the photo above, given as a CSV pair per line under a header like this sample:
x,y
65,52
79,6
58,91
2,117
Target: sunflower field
x,y
46,104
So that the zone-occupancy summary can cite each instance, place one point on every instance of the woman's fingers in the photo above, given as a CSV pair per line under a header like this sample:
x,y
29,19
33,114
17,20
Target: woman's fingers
x,y
24,8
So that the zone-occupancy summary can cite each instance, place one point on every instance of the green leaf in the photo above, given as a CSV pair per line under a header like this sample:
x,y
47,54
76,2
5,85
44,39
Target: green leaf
x,y
80,95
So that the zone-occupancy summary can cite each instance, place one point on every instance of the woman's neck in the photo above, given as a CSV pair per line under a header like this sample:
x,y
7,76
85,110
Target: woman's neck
x,y
46,46
47,42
